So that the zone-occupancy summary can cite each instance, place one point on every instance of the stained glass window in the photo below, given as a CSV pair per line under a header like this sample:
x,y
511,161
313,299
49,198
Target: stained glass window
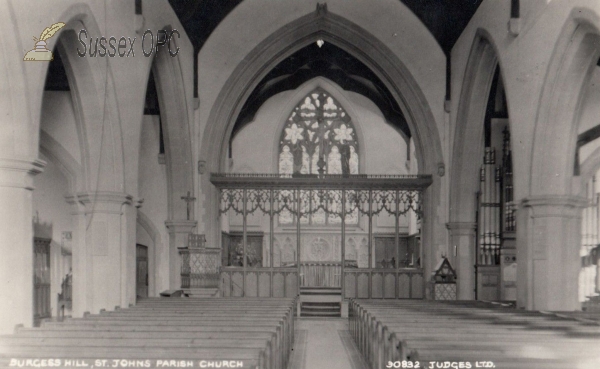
x,y
318,137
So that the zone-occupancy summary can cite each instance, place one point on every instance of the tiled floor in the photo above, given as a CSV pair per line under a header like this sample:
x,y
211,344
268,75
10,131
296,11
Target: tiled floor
x,y
326,344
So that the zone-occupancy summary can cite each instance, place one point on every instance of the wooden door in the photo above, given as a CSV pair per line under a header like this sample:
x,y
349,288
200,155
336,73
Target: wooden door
x,y
141,270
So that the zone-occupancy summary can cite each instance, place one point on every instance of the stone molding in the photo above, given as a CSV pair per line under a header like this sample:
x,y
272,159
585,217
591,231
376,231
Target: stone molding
x,y
462,228
554,206
19,172
180,226
107,202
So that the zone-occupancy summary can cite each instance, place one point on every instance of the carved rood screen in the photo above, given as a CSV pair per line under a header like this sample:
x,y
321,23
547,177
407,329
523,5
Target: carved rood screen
x,y
320,199
301,198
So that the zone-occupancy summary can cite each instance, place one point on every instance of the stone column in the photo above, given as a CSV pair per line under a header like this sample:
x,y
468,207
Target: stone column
x,y
16,246
548,243
101,265
462,237
178,237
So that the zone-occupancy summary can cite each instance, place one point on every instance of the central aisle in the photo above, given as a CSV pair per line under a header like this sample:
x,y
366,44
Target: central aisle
x,y
324,343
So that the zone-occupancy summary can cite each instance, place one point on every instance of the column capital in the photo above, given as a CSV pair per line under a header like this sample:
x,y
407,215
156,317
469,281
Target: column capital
x,y
19,172
461,228
181,226
563,206
138,202
101,202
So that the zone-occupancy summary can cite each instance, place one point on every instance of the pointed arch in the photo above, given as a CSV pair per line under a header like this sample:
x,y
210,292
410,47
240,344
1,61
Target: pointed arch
x,y
93,94
555,136
366,48
172,99
466,158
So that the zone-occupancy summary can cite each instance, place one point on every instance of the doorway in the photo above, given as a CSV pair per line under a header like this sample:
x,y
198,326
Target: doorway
x,y
141,271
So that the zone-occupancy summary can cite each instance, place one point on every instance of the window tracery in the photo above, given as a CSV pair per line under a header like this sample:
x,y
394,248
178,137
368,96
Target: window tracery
x,y
318,138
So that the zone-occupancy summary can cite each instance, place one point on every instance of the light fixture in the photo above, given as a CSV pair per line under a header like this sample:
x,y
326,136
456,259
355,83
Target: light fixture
x,y
320,42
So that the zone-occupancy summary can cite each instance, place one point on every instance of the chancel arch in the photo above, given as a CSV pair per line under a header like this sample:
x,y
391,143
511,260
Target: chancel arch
x,y
354,40
309,121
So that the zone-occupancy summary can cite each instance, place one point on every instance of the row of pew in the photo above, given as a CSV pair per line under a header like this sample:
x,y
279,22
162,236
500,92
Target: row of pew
x,y
469,334
163,332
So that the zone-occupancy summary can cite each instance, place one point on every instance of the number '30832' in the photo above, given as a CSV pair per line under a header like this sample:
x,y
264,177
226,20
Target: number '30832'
x,y
403,364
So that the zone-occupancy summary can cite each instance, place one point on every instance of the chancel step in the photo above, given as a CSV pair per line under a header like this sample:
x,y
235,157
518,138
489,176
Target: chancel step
x,y
320,291
320,309
202,292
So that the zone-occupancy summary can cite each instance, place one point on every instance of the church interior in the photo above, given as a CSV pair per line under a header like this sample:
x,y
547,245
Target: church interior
x,y
300,183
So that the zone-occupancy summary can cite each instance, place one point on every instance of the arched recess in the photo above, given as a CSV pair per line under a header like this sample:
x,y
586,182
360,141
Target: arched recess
x,y
555,137
367,49
337,93
154,250
176,131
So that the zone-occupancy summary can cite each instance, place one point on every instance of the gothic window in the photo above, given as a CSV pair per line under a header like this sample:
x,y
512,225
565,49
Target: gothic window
x,y
318,137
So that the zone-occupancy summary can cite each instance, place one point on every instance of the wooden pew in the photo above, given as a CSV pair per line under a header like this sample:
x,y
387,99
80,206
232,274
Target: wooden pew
x,y
282,317
420,325
398,330
259,332
435,326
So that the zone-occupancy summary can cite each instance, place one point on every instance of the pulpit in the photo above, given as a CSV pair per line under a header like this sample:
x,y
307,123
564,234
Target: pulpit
x,y
200,265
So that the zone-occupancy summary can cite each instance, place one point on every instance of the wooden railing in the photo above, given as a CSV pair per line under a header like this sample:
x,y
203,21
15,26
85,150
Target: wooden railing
x,y
365,283
320,274
259,282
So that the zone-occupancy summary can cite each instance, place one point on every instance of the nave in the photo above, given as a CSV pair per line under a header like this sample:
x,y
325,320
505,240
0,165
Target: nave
x,y
265,333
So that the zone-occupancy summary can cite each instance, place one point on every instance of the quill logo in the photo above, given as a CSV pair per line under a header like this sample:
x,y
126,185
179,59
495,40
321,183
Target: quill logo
x,y
40,52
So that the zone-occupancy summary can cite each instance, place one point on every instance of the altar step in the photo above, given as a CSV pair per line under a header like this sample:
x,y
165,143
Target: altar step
x,y
321,309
